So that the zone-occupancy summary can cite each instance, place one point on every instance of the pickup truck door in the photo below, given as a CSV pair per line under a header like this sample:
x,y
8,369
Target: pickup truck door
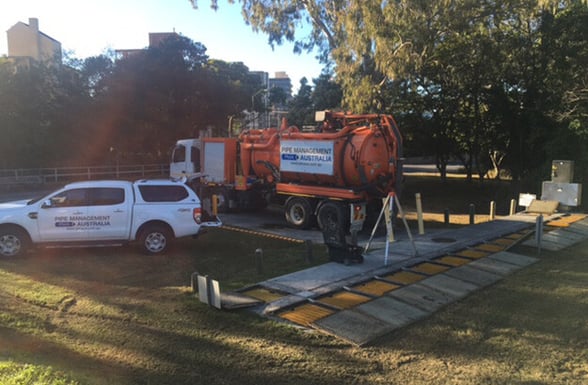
x,y
86,214
58,218
109,213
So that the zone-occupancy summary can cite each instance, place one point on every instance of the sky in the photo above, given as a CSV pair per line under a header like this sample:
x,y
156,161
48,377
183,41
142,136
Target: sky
x,y
90,27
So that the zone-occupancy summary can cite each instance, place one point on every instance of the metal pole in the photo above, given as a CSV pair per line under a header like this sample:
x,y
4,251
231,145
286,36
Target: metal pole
x,y
539,233
446,216
416,252
390,230
492,210
419,207
472,214
259,260
368,244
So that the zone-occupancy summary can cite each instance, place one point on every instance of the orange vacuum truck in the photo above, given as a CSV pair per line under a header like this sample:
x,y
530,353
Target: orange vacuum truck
x,y
334,175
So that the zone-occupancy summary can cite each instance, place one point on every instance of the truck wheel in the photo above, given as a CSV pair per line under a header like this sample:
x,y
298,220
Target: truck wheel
x,y
299,213
13,242
331,216
155,239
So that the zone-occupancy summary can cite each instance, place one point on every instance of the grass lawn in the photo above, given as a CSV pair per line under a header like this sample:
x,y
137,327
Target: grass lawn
x,y
113,316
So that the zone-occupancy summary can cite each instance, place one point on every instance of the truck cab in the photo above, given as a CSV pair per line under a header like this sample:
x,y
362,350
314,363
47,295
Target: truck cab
x,y
185,161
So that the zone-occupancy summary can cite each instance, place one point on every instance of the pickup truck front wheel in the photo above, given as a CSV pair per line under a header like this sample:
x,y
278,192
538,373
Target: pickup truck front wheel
x,y
13,242
155,239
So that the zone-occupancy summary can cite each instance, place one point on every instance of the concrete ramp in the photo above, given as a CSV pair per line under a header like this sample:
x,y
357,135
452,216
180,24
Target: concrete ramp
x,y
360,303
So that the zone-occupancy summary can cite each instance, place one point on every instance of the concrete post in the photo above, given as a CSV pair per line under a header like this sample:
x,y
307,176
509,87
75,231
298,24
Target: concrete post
x,y
513,207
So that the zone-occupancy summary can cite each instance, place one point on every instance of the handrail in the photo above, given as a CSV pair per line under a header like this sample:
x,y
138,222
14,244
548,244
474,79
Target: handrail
x,y
23,176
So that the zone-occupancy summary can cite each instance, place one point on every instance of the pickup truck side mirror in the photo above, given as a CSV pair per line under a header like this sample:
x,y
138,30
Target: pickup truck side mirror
x,y
47,204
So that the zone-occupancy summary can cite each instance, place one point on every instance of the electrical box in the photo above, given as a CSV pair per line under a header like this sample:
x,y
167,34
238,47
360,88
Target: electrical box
x,y
562,171
568,194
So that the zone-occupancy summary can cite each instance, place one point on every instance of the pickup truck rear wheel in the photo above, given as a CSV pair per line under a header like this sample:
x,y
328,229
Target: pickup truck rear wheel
x,y
155,239
13,242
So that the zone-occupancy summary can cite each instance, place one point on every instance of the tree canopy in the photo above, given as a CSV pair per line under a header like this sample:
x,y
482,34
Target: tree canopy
x,y
130,109
481,80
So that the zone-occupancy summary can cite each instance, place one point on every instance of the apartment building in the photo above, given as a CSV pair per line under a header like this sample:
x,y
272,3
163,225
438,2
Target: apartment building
x,y
26,42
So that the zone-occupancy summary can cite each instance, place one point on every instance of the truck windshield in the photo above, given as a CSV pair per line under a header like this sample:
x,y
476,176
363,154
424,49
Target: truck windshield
x,y
179,154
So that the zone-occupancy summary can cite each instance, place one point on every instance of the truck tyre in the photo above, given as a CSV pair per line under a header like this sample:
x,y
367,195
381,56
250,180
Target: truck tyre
x,y
331,217
13,241
299,212
155,239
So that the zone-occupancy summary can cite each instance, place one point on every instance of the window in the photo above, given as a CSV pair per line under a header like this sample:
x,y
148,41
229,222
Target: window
x,y
106,196
154,193
101,196
71,198
179,154
195,156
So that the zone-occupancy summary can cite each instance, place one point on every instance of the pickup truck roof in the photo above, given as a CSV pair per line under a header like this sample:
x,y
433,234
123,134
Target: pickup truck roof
x,y
99,183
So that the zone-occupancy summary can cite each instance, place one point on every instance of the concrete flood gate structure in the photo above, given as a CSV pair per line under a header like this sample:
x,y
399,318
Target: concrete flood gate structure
x,y
361,302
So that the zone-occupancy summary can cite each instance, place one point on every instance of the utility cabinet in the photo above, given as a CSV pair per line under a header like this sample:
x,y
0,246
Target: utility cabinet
x,y
562,171
561,188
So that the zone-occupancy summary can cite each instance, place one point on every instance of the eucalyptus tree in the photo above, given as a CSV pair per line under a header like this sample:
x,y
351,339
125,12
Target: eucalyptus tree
x,y
300,109
477,65
327,93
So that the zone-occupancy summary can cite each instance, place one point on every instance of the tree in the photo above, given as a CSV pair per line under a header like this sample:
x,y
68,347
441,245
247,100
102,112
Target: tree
x,y
477,65
167,92
39,108
327,94
300,108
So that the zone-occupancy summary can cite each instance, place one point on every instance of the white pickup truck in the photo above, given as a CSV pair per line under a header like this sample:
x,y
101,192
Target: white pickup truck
x,y
152,212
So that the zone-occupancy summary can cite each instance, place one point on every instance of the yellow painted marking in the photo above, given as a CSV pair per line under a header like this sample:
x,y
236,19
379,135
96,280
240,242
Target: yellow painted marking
x,y
404,277
566,221
516,236
503,241
429,268
375,287
468,253
344,299
261,234
453,261
306,314
262,294
491,247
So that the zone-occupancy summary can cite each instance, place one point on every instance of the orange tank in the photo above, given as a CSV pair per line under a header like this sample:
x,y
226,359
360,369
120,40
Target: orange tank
x,y
359,152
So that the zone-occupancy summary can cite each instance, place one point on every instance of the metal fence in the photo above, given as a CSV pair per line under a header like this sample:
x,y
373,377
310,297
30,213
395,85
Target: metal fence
x,y
18,177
